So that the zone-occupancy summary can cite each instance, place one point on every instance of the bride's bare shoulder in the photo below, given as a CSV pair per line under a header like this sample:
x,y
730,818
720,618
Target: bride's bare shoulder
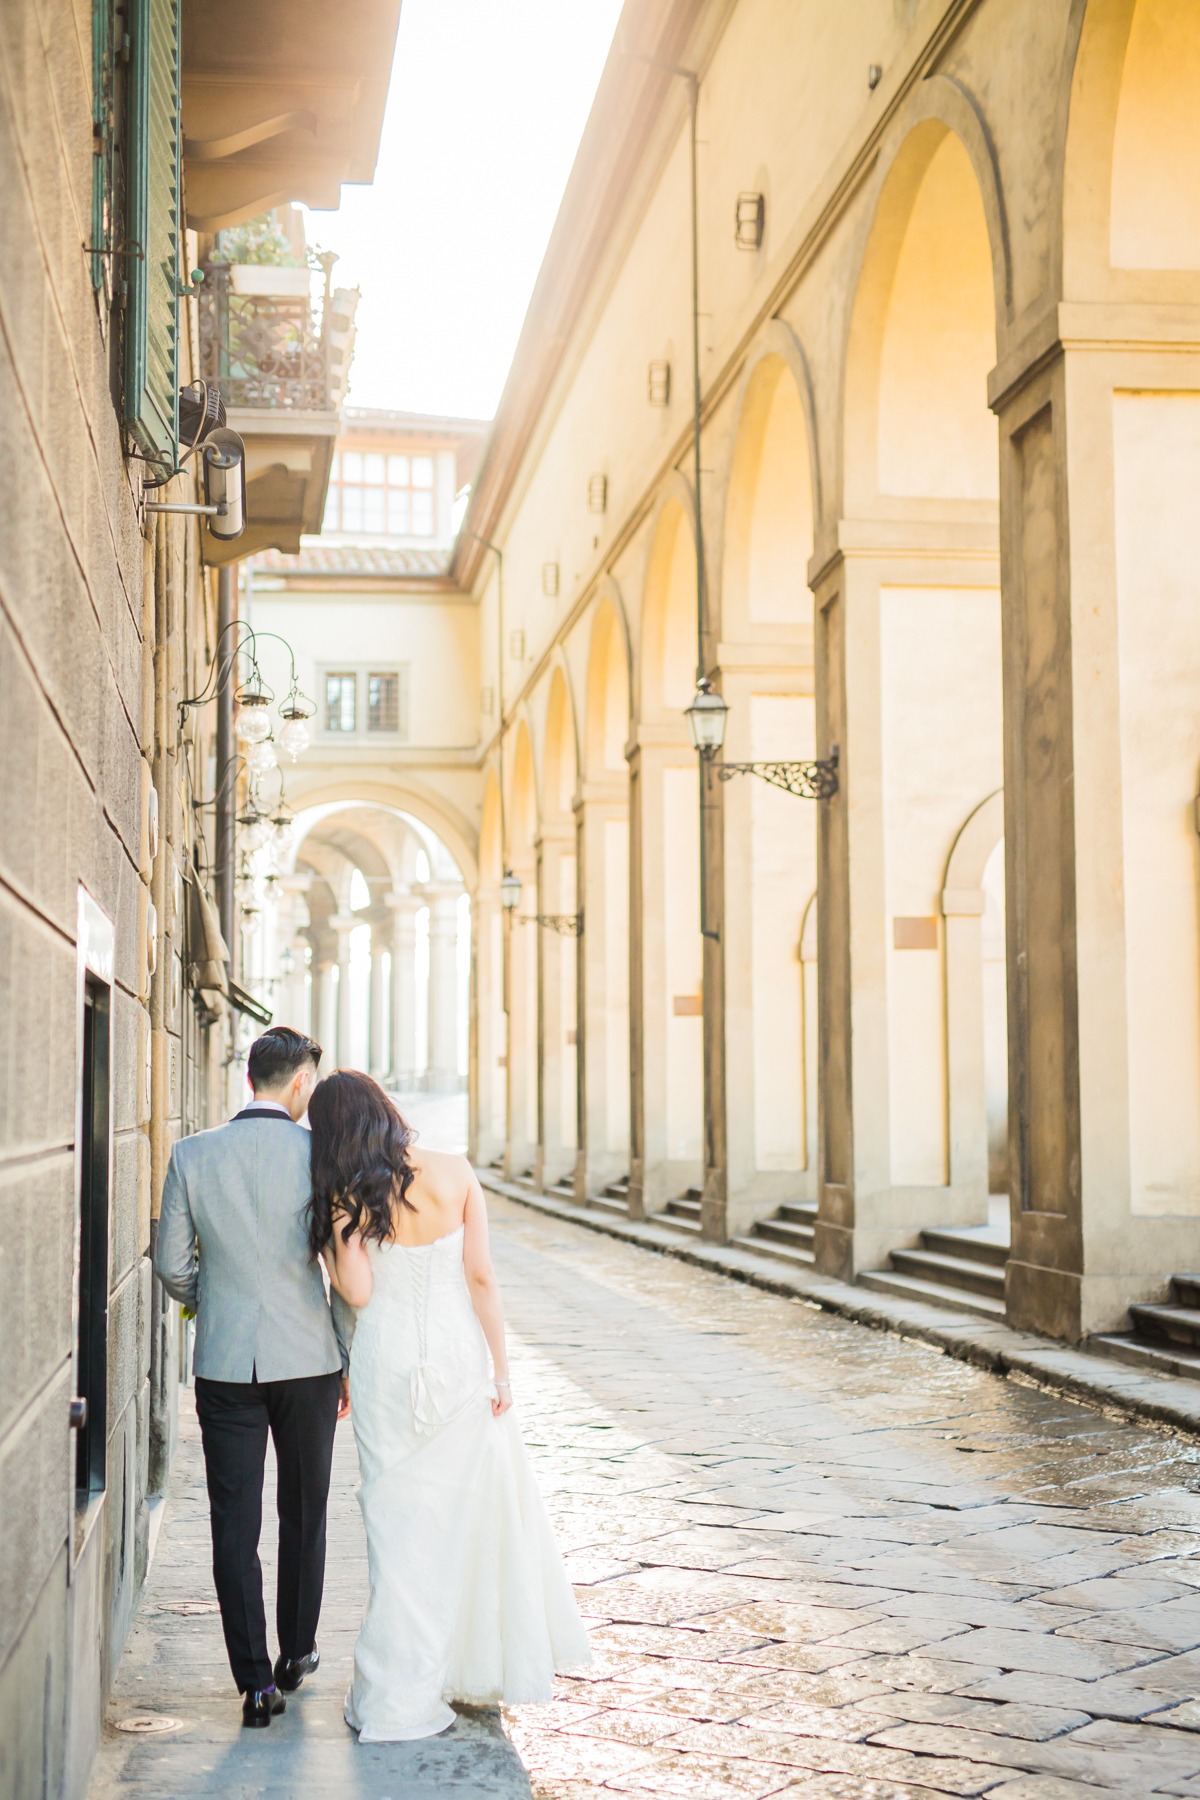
x,y
445,1173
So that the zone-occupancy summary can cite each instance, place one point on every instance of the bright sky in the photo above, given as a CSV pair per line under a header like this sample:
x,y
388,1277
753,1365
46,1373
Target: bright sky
x,y
487,105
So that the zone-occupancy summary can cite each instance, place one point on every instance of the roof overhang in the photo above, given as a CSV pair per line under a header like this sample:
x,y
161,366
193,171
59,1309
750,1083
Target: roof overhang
x,y
283,100
288,459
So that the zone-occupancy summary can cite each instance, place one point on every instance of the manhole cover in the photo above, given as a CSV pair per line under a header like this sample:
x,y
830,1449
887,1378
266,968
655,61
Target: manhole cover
x,y
150,1724
190,1608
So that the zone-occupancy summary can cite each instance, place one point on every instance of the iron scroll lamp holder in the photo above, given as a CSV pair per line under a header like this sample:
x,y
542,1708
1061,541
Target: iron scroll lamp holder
x,y
566,924
707,716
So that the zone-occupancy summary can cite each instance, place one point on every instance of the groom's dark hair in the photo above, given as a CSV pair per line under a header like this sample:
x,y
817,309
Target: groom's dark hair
x,y
278,1055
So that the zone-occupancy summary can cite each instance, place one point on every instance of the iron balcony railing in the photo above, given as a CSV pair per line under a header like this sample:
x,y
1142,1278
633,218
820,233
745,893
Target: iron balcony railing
x,y
265,343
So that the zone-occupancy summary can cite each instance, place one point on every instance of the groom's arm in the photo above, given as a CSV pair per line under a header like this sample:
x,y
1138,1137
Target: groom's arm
x,y
175,1247
343,1326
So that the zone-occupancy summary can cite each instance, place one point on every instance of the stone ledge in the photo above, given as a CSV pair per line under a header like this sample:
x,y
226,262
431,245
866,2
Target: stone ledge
x,y
1100,1381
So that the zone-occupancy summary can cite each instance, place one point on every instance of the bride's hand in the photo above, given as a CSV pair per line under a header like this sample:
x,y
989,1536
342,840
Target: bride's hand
x,y
503,1401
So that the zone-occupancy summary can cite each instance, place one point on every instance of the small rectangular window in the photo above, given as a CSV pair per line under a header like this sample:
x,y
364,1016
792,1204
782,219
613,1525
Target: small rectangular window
x,y
340,702
383,702
374,468
398,471
422,513
352,465
352,509
374,516
422,471
330,521
398,515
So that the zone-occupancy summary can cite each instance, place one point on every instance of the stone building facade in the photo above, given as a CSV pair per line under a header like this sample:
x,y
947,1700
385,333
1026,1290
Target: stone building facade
x,y
947,261
115,1015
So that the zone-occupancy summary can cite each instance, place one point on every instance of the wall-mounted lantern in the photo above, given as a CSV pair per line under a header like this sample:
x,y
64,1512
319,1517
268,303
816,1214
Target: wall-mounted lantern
x,y
510,890
550,580
658,383
597,493
707,716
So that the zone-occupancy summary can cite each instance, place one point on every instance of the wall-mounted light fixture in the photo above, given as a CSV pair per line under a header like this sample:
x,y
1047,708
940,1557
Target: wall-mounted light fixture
x,y
565,924
707,716
874,75
597,493
749,221
658,383
223,466
510,890
550,580
516,645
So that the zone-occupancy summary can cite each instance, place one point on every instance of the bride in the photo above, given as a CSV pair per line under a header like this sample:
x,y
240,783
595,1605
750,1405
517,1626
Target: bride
x,y
468,1597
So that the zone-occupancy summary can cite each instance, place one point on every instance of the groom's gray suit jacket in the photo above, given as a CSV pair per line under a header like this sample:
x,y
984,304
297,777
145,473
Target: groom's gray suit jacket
x,y
232,1244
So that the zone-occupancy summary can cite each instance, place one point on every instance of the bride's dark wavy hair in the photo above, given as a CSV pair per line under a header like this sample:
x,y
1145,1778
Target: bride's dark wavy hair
x,y
360,1165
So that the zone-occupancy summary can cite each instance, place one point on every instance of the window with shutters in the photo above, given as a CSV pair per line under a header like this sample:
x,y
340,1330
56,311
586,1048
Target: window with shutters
x,y
383,701
341,712
105,238
153,229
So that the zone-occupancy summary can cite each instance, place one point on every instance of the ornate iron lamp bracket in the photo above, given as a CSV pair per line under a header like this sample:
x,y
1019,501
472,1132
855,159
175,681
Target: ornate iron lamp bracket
x,y
807,780
566,924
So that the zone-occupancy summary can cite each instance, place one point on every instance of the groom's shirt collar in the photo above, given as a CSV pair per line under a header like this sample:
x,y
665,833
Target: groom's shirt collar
x,y
262,1106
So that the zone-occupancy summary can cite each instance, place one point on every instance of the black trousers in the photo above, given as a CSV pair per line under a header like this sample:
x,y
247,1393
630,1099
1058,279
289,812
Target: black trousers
x,y
235,1417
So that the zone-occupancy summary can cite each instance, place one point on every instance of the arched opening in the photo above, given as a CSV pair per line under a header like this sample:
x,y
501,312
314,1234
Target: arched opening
x,y
924,722
364,942
1155,212
491,1073
604,896
770,836
667,827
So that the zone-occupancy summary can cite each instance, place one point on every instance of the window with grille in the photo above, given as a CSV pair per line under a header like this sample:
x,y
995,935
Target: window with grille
x,y
341,694
383,701
381,494
366,702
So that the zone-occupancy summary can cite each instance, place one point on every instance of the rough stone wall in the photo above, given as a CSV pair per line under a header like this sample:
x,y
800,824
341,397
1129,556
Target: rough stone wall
x,y
73,590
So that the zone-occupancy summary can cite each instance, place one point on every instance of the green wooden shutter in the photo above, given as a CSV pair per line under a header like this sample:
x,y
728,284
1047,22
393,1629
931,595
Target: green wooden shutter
x,y
153,226
103,105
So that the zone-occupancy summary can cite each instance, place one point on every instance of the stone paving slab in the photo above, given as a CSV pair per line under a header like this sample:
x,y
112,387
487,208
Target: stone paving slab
x,y
1132,1393
818,1562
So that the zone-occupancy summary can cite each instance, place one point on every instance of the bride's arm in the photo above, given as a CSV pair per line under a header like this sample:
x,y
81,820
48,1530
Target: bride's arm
x,y
484,1288
348,1264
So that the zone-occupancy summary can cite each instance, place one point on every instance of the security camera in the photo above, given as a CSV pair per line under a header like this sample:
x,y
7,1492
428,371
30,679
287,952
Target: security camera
x,y
224,458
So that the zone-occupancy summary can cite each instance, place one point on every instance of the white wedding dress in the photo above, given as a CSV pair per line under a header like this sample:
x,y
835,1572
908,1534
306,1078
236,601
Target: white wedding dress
x,y
468,1596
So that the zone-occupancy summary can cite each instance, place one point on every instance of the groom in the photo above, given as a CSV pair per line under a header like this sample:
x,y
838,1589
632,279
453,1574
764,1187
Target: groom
x,y
271,1357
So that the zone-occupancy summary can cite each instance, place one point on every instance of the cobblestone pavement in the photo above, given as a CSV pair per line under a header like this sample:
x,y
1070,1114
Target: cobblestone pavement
x,y
816,1560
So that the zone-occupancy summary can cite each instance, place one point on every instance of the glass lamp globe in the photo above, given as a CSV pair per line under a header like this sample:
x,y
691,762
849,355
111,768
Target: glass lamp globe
x,y
510,890
260,756
706,718
256,832
287,961
294,737
253,721
243,887
251,920
283,832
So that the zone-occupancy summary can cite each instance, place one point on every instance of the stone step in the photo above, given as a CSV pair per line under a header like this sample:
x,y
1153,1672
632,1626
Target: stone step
x,y
966,1243
1186,1289
782,1231
794,1254
682,1214
1158,1359
950,1271
685,1206
564,1187
608,1203
1175,1325
618,1189
798,1212
931,1293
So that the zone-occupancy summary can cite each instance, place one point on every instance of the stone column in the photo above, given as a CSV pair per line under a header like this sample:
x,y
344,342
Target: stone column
x,y
522,1143
665,972
343,924
556,1010
443,901
1099,465
378,1060
602,984
404,908
325,1004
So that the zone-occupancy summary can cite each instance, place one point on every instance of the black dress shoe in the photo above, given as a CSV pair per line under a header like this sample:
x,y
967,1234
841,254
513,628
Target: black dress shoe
x,y
291,1670
260,1705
